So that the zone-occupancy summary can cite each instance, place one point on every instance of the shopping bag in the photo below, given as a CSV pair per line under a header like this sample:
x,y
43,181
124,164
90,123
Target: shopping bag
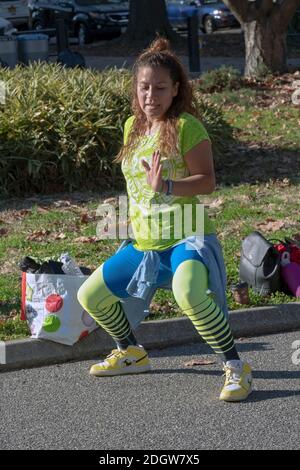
x,y
51,308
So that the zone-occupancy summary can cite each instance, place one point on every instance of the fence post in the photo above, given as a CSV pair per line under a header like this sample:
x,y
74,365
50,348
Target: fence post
x,y
193,42
62,35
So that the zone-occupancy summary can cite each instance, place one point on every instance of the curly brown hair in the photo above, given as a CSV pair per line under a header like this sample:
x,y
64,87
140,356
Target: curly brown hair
x,y
159,54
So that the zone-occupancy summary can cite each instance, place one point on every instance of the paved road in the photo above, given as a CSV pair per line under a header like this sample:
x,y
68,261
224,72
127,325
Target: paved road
x,y
206,63
173,407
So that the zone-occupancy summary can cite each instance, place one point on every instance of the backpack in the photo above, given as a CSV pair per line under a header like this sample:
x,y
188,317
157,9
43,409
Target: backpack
x,y
260,264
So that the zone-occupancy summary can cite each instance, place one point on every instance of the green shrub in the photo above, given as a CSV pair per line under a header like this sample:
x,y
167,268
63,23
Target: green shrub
x,y
223,78
60,128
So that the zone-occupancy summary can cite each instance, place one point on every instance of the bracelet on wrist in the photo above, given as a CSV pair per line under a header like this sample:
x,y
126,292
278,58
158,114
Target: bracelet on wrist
x,y
169,190
169,187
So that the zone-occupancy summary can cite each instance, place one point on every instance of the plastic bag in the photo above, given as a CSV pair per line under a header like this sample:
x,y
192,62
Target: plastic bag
x,y
51,308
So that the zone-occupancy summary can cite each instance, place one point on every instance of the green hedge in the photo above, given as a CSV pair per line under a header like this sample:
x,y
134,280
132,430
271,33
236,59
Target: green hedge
x,y
60,128
221,79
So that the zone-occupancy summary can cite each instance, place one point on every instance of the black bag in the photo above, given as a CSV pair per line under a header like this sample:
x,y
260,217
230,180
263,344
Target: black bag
x,y
260,264
71,59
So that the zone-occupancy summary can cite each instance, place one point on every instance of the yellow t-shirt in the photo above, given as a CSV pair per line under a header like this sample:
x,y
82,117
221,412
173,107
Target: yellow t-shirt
x,y
159,221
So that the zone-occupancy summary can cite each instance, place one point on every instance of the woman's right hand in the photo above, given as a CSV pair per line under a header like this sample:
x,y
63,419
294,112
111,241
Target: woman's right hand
x,y
154,173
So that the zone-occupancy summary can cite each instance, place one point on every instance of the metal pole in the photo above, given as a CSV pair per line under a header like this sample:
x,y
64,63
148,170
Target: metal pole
x,y
62,35
193,43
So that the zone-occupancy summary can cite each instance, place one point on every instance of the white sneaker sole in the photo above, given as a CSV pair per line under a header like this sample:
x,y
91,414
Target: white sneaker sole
x,y
123,371
236,399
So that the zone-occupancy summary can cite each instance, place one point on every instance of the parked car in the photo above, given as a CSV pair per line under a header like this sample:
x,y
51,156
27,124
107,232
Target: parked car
x,y
15,11
212,14
6,27
215,15
180,10
85,19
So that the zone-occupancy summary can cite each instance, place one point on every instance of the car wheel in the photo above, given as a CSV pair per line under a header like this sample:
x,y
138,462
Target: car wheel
x,y
37,25
83,35
209,25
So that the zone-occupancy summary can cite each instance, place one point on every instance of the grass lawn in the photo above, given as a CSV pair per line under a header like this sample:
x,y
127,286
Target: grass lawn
x,y
258,189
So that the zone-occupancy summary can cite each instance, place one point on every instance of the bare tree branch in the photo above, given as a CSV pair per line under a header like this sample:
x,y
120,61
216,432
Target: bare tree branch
x,y
265,24
287,10
248,10
266,7
240,8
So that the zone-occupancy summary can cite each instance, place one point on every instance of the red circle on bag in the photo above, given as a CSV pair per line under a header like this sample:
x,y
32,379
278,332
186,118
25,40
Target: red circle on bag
x,y
54,302
83,335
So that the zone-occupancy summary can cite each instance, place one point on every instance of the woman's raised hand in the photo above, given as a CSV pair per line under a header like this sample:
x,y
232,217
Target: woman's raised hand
x,y
154,173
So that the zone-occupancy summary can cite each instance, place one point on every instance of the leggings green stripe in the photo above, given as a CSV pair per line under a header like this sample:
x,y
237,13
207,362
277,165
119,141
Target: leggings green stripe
x,y
225,348
213,324
116,326
113,317
190,284
198,314
211,317
223,334
202,302
103,306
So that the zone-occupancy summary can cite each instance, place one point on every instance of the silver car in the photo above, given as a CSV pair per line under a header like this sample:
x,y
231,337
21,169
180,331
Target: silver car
x,y
6,27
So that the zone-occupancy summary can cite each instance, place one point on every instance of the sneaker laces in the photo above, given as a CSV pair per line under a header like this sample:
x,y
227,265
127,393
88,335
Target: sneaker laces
x,y
116,353
232,374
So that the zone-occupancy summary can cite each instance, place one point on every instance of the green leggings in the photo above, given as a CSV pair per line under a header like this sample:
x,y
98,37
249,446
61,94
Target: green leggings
x,y
189,285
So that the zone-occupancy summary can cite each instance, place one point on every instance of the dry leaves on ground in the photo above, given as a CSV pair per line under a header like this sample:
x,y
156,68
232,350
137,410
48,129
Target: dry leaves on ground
x,y
38,235
199,362
270,225
87,239
41,235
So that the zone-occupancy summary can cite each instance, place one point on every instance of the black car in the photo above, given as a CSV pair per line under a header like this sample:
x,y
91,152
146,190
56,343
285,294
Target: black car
x,y
85,18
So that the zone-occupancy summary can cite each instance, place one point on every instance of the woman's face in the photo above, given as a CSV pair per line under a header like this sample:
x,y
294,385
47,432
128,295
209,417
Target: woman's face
x,y
155,91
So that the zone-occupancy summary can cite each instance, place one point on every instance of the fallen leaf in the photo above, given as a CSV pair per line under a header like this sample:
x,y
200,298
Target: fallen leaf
x,y
111,200
270,225
42,210
86,218
23,212
3,231
38,235
60,236
200,362
217,203
62,203
87,239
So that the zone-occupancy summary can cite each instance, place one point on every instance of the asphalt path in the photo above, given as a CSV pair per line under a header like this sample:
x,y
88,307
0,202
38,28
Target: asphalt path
x,y
173,407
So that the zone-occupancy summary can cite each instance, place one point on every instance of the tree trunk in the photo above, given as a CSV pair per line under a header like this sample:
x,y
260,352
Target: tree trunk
x,y
265,24
147,19
265,48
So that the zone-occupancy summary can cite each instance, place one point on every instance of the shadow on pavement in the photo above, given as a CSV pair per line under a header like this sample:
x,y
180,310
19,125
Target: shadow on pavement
x,y
263,395
197,349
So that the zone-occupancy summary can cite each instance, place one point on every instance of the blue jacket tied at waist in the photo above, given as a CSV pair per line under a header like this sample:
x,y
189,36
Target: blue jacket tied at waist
x,y
142,285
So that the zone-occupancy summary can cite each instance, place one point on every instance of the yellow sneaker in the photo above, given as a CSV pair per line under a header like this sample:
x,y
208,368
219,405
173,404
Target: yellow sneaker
x,y
238,383
133,360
